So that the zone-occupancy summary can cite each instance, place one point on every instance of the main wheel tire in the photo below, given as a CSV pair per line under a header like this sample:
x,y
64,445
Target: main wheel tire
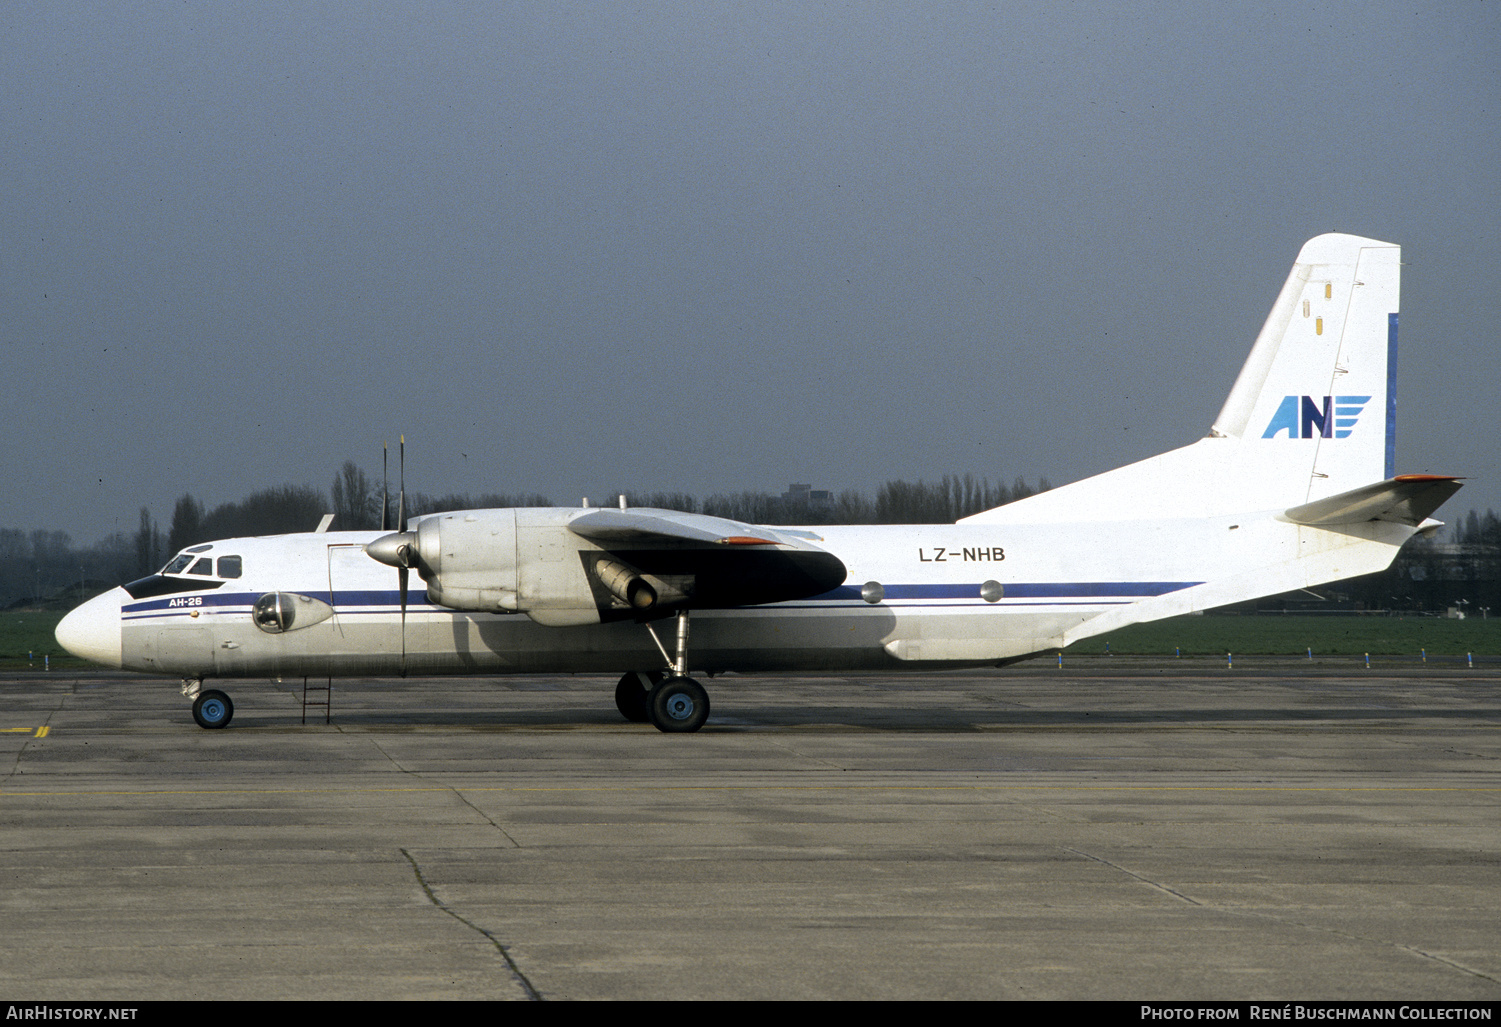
x,y
679,705
633,696
212,709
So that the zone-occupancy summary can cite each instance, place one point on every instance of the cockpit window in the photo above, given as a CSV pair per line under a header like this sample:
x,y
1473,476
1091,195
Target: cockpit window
x,y
203,566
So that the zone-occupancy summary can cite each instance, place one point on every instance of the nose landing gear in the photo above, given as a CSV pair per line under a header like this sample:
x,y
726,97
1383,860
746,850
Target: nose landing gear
x,y
212,709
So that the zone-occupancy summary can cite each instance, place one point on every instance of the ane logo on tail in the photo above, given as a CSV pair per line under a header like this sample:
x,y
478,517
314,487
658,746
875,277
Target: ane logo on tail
x,y
1316,417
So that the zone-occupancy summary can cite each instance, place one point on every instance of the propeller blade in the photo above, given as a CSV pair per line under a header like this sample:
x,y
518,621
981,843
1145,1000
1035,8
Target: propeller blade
x,y
401,578
399,550
401,502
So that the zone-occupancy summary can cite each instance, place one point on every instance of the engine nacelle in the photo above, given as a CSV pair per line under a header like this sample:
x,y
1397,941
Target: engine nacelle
x,y
523,560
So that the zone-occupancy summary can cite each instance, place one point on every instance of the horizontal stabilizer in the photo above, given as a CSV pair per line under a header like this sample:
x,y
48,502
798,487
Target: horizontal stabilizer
x,y
1406,499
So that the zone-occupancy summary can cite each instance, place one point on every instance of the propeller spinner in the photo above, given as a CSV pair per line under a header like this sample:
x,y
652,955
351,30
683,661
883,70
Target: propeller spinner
x,y
398,549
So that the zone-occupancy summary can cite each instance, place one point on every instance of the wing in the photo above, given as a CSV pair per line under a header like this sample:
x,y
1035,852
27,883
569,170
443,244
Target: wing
x,y
702,562
644,524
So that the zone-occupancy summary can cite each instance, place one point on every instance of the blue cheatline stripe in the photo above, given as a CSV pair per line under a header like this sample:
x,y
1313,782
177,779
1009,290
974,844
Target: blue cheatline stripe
x,y
186,604
1391,396
176,604
380,597
1047,591
1018,590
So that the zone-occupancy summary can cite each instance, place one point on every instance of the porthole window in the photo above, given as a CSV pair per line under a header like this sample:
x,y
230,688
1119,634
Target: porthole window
x,y
992,591
872,592
273,612
276,612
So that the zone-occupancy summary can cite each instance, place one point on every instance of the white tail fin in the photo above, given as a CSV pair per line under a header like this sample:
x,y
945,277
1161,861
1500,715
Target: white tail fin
x,y
1311,415
1317,390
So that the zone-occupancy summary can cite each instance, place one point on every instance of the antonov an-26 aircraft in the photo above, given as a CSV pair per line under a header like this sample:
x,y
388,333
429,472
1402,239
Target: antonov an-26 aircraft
x,y
1294,486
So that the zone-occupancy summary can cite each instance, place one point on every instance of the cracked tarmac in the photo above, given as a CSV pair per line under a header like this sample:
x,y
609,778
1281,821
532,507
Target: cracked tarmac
x,y
1115,830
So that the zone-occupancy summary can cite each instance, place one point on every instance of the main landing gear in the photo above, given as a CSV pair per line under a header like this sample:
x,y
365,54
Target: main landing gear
x,y
211,709
670,699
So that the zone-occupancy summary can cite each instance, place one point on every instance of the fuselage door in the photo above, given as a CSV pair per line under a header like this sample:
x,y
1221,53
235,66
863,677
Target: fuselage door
x,y
367,604
349,584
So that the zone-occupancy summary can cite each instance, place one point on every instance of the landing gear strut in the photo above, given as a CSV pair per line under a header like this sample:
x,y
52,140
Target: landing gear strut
x,y
675,703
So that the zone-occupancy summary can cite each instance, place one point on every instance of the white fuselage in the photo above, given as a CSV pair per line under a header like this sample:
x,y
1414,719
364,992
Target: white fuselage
x,y
914,596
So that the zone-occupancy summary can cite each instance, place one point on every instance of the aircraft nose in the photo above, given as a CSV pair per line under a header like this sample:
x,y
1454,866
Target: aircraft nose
x,y
92,631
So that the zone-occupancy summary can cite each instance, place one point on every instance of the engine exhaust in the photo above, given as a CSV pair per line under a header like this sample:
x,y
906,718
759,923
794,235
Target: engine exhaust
x,y
626,585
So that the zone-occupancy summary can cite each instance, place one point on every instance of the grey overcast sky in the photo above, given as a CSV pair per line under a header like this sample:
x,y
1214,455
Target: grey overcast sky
x,y
709,246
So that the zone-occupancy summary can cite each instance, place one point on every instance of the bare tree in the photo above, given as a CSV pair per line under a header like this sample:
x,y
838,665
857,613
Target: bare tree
x,y
148,544
187,524
356,504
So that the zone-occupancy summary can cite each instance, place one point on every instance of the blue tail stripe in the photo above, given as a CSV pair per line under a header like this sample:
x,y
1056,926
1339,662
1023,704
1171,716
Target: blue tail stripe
x,y
1391,395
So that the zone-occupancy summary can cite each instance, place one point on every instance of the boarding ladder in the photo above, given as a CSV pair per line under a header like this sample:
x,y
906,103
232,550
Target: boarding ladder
x,y
310,698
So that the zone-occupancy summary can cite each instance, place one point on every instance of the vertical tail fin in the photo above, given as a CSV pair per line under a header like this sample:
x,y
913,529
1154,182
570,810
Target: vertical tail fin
x,y
1317,396
1311,415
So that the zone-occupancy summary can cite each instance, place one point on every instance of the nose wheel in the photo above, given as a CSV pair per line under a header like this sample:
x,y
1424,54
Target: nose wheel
x,y
212,709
